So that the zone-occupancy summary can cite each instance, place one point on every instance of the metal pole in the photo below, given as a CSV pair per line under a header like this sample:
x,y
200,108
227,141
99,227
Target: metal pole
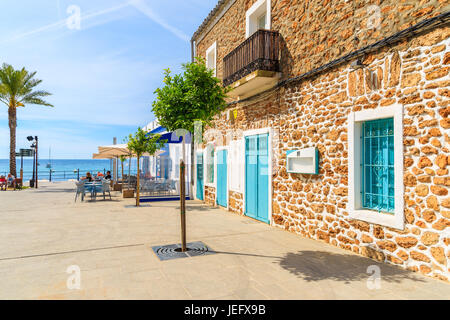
x,y
137,185
21,167
34,166
50,173
129,172
78,174
37,159
115,163
182,207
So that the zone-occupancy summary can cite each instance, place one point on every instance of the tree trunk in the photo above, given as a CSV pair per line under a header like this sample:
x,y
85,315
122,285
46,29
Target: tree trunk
x,y
121,178
12,119
182,206
183,197
137,186
184,152
191,185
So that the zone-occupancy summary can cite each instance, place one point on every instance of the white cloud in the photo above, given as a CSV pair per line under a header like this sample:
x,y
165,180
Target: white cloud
x,y
103,80
145,9
92,21
62,23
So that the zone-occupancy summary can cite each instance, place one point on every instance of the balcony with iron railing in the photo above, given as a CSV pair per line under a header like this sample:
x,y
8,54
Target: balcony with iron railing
x,y
256,57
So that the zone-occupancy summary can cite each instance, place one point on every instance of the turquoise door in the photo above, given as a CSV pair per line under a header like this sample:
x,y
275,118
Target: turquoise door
x,y
222,178
200,176
257,177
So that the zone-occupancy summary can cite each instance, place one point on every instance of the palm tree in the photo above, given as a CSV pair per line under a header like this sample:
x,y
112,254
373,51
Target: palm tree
x,y
16,90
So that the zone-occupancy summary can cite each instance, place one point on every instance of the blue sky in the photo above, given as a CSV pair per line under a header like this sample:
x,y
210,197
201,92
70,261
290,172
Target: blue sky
x,y
102,76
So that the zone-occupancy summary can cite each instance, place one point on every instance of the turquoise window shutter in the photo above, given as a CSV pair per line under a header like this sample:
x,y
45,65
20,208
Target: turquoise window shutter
x,y
377,167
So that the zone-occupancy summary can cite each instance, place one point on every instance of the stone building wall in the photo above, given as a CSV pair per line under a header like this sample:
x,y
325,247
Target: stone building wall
x,y
210,195
315,32
314,113
236,202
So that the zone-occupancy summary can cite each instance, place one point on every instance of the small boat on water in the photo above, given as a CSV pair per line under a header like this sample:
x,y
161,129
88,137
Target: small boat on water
x,y
49,165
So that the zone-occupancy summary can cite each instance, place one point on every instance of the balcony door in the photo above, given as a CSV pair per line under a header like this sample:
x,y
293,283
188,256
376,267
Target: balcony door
x,y
261,21
258,17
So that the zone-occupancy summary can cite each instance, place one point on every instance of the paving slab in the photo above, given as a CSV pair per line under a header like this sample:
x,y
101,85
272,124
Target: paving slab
x,y
44,232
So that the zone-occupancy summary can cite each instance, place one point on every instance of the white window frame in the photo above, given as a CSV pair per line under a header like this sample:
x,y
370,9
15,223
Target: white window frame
x,y
203,153
355,120
212,49
254,13
240,165
206,168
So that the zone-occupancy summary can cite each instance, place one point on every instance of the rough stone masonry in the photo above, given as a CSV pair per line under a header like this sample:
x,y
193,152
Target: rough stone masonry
x,y
314,113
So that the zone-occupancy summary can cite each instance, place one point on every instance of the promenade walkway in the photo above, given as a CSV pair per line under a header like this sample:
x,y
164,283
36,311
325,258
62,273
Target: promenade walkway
x,y
43,232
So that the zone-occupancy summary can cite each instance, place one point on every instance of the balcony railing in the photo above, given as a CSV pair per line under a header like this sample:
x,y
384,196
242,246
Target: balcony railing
x,y
258,52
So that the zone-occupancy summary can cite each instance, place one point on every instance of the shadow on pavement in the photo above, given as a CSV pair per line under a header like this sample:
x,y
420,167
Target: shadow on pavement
x,y
52,190
321,265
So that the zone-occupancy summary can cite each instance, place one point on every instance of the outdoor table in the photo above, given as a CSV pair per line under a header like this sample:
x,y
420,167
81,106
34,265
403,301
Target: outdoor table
x,y
92,187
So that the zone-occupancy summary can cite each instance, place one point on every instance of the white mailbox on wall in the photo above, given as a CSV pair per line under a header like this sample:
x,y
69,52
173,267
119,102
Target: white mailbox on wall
x,y
303,161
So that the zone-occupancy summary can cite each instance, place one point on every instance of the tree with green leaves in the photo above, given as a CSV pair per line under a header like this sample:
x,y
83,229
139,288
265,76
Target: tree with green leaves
x,y
143,143
196,95
17,88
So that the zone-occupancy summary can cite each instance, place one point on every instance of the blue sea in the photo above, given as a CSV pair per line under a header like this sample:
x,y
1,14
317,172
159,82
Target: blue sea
x,y
62,169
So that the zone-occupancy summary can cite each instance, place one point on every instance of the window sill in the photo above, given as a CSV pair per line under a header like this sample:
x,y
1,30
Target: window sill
x,y
376,217
211,185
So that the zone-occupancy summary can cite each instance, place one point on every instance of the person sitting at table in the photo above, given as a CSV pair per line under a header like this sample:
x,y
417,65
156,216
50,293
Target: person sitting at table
x,y
108,175
88,177
3,183
10,180
100,175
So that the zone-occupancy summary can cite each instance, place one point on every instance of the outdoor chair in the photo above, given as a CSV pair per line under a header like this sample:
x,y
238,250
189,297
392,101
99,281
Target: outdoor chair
x,y
90,187
81,189
133,182
105,187
152,187
162,188
146,185
11,184
94,188
173,186
18,183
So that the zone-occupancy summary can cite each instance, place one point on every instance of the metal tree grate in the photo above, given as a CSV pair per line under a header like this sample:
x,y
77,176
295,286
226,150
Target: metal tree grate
x,y
173,251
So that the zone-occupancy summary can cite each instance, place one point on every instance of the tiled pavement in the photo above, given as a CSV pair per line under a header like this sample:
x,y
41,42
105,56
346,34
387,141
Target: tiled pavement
x,y
43,232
